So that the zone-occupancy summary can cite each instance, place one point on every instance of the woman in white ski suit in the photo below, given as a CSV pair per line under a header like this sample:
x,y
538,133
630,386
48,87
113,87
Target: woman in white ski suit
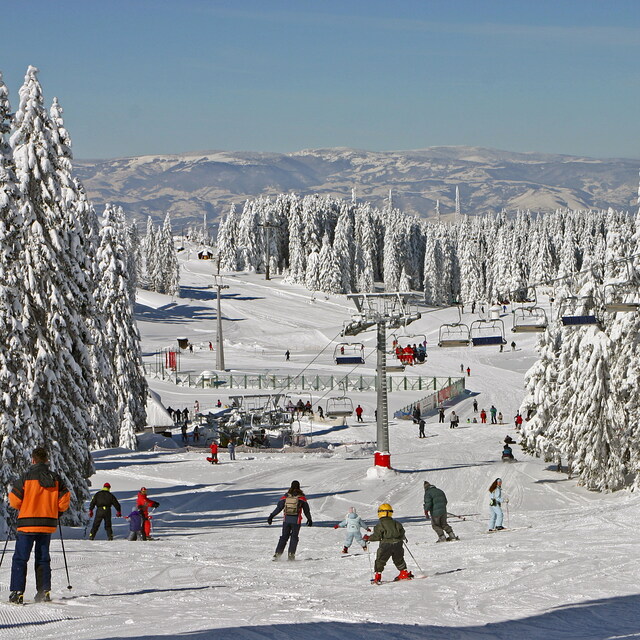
x,y
353,522
495,504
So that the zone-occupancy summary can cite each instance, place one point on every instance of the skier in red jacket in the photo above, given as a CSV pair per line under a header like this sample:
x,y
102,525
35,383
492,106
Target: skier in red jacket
x,y
146,503
214,453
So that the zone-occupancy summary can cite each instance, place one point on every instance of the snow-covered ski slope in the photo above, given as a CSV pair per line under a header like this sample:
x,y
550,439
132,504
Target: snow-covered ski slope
x,y
573,574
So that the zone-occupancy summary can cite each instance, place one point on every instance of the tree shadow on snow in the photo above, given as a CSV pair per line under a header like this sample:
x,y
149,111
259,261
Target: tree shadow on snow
x,y
602,619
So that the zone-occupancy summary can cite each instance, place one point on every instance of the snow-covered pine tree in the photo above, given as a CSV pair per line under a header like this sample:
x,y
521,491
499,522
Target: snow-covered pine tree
x,y
60,388
328,268
133,258
344,248
312,275
122,337
226,240
152,257
297,254
169,266
392,268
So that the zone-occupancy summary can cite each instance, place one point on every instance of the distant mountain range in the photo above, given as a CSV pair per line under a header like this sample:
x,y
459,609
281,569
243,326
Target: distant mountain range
x,y
189,185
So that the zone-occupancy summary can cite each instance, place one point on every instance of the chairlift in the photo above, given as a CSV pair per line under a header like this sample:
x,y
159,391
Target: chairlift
x,y
349,353
573,312
486,333
339,407
616,297
454,334
529,320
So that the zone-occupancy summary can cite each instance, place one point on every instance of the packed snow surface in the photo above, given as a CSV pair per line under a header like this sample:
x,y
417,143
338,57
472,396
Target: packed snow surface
x,y
567,569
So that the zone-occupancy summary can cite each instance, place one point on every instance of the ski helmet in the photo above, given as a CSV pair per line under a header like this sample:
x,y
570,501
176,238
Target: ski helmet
x,y
384,510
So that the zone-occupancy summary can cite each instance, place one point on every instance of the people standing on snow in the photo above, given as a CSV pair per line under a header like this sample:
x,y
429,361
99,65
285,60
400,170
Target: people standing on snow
x,y
183,429
146,503
185,415
353,523
391,536
461,368
421,428
475,406
287,354
231,448
495,504
136,524
435,507
483,417
294,504
500,418
416,413
468,371
359,411
518,421
320,412
513,346
440,415
454,420
102,501
214,453
196,434
493,412
39,496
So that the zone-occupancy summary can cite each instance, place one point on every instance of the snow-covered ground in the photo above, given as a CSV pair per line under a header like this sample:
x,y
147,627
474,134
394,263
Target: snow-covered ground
x,y
569,569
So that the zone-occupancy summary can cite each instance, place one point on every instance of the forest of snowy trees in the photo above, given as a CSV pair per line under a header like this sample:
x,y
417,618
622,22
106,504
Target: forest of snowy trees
x,y
71,376
579,394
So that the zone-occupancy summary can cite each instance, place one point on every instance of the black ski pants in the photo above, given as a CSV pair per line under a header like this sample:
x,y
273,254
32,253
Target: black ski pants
x,y
289,531
393,550
103,515
440,418
439,525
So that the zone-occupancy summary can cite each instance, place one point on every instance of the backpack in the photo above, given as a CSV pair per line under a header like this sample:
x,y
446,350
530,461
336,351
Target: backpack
x,y
291,505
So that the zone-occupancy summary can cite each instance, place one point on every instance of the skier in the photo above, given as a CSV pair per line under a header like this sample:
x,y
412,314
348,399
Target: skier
x,y
421,427
435,507
353,522
513,346
196,434
475,406
287,355
136,524
416,414
214,453
294,503
468,371
320,412
461,368
507,454
359,411
454,420
483,417
146,503
40,496
493,412
518,421
103,500
495,503
390,533
231,448
440,415
185,415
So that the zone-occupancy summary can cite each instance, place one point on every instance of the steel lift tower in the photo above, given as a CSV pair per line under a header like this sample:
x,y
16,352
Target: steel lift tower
x,y
381,310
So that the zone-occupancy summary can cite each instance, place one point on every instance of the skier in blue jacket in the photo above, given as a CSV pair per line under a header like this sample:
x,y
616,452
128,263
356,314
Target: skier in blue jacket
x,y
353,523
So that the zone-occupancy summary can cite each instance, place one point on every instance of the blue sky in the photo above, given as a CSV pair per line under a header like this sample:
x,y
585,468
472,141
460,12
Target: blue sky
x,y
154,76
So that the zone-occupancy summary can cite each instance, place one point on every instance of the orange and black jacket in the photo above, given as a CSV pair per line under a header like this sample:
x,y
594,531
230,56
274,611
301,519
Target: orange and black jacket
x,y
39,496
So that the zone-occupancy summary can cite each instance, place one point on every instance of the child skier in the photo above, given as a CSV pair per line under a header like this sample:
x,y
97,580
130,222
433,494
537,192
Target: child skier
x,y
353,522
136,523
390,534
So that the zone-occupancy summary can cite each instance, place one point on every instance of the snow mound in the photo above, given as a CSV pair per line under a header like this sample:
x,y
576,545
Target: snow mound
x,y
375,472
147,441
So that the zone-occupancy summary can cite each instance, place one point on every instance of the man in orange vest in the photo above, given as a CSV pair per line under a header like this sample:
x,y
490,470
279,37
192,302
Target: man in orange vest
x,y
39,497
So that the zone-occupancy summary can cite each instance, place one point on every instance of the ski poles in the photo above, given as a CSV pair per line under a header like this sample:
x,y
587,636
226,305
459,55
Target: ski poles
x,y
411,554
453,515
369,556
5,546
64,555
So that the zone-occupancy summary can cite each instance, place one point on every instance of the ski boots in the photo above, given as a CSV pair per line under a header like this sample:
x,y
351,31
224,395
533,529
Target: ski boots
x,y
16,597
345,549
377,579
499,528
452,538
291,556
441,539
403,575
43,596
276,556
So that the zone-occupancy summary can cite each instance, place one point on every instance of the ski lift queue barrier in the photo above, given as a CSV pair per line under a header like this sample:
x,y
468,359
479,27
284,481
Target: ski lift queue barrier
x,y
454,388
296,383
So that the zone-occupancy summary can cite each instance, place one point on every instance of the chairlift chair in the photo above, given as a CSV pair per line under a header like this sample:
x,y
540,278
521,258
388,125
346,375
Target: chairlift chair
x,y
529,320
572,311
487,333
349,353
455,334
339,407
616,297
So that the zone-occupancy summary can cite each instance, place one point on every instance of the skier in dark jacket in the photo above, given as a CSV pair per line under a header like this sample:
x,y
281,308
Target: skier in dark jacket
x,y
390,534
435,507
102,501
293,503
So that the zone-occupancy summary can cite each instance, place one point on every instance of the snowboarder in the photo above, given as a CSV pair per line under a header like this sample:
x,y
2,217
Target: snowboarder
x,y
421,427
146,503
136,524
294,503
353,522
359,411
475,406
495,503
391,536
435,507
214,453
103,500
454,420
40,496
493,412
483,417
287,355
231,448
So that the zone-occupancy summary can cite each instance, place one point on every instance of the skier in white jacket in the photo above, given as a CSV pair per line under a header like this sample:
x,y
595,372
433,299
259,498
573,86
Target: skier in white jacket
x,y
353,523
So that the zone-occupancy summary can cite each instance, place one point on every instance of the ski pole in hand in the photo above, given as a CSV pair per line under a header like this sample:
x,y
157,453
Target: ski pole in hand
x,y
411,554
453,515
64,555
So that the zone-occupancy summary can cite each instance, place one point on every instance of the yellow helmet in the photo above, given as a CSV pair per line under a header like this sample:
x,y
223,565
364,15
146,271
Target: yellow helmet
x,y
384,510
